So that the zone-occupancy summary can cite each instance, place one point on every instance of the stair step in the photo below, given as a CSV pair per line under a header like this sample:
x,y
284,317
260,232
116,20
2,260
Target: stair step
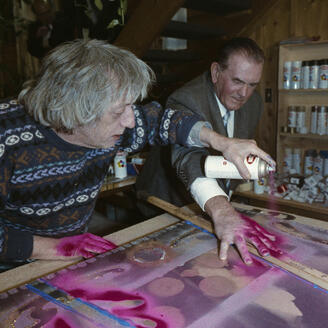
x,y
167,56
181,30
219,7
168,78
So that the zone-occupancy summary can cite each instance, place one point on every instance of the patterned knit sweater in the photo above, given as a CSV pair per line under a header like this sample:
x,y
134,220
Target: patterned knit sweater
x,y
48,187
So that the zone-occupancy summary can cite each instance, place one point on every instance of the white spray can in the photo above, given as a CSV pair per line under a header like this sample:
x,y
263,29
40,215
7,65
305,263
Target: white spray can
x,y
120,167
219,167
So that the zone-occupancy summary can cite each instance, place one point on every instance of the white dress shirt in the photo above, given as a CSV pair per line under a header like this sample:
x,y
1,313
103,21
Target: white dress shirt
x,y
202,189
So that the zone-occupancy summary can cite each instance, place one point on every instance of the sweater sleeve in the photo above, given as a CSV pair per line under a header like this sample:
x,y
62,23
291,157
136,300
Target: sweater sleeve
x,y
14,244
156,126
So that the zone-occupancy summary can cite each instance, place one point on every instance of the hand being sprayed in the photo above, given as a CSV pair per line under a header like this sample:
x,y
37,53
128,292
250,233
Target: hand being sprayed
x,y
233,228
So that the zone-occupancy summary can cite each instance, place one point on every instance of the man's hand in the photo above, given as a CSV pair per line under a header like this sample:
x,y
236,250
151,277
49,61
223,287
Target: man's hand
x,y
231,228
86,245
235,150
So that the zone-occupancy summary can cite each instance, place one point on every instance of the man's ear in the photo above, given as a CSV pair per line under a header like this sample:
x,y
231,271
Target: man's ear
x,y
215,71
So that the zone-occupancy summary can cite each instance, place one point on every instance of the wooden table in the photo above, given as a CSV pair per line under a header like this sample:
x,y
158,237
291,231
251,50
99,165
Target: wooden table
x,y
113,185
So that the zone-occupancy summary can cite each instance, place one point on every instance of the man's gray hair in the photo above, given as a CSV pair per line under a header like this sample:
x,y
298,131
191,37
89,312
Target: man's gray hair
x,y
79,80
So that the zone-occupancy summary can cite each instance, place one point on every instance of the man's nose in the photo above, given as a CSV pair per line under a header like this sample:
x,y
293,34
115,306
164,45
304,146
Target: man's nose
x,y
127,119
243,90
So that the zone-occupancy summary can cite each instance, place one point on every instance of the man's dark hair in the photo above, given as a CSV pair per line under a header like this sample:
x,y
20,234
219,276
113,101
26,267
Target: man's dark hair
x,y
244,46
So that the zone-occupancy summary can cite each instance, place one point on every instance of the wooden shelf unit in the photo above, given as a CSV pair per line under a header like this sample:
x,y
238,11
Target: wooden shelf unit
x,y
299,97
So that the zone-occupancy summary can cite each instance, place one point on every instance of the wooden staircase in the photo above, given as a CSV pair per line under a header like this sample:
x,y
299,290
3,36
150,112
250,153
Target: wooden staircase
x,y
209,23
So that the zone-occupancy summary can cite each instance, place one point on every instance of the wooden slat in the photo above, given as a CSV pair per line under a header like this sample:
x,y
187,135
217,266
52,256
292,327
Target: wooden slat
x,y
220,7
147,21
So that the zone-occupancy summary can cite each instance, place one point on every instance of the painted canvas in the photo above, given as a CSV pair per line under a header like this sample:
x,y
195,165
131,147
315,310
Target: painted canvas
x,y
173,278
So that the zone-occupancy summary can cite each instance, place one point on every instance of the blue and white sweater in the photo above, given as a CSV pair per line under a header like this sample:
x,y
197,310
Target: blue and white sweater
x,y
48,187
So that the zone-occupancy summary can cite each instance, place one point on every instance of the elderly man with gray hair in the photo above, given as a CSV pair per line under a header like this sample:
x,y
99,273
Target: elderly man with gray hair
x,y
58,139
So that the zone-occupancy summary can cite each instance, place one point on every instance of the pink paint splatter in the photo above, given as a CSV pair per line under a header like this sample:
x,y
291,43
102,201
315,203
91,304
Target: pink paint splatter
x,y
86,245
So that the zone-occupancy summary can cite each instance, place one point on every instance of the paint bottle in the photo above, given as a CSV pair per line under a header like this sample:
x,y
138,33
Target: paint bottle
x,y
287,164
300,118
259,186
314,118
324,154
305,74
219,167
292,113
120,166
296,74
287,72
318,164
323,74
296,160
322,120
309,156
314,74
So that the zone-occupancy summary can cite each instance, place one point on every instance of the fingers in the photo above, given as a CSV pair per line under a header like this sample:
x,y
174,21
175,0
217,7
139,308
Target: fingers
x,y
242,169
266,157
101,239
265,232
95,248
260,246
224,246
243,250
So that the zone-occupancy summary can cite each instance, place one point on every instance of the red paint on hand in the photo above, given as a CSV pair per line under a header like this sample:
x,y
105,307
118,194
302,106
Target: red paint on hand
x,y
265,242
86,245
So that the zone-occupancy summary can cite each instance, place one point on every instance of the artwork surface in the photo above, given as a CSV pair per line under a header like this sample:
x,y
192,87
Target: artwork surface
x,y
174,278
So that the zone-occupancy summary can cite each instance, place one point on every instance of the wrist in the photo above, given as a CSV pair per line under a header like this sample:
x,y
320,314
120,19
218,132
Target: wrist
x,y
216,205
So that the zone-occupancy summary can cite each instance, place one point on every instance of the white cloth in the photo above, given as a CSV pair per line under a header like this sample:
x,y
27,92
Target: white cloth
x,y
202,189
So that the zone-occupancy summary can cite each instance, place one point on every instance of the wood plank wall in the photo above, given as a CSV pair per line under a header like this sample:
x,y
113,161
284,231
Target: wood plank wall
x,y
286,19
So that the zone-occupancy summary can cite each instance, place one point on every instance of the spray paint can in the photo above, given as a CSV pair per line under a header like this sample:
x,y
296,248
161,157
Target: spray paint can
x,y
120,166
219,167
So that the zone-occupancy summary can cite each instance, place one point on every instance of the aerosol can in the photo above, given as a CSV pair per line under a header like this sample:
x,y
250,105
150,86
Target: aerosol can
x,y
219,167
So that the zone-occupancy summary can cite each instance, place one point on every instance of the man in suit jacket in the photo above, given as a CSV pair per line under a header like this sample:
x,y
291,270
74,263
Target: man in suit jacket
x,y
228,88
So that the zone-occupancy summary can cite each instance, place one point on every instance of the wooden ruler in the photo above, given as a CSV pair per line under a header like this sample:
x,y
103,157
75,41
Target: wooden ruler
x,y
315,277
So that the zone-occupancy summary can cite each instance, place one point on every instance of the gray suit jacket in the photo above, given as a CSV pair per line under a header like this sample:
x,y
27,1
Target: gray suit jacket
x,y
166,165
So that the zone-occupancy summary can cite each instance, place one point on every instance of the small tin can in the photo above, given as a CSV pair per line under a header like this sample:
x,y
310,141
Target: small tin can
x,y
219,167
120,166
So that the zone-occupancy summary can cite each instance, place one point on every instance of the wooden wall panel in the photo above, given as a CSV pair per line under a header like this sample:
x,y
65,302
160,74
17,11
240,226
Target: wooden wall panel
x,y
285,19
309,18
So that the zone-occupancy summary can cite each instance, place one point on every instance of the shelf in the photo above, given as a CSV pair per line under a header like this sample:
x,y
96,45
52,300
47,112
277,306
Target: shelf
x,y
305,136
312,210
303,91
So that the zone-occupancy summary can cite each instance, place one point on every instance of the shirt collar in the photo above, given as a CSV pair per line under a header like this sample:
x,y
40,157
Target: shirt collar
x,y
223,110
